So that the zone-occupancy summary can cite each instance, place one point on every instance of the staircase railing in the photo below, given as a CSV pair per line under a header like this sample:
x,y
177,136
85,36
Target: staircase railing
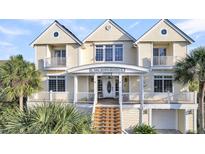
x,y
93,113
124,131
121,115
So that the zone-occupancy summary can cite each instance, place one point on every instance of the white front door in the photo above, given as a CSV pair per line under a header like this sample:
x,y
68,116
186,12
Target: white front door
x,y
109,87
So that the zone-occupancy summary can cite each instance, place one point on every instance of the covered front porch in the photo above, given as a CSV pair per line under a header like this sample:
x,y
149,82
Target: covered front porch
x,y
111,84
106,83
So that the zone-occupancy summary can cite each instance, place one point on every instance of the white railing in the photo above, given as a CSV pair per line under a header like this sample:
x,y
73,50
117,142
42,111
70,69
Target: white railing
x,y
124,131
151,97
182,97
85,97
130,97
163,60
51,96
55,62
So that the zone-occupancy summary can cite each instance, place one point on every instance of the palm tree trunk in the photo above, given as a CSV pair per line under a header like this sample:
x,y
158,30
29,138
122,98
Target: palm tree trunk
x,y
21,103
201,107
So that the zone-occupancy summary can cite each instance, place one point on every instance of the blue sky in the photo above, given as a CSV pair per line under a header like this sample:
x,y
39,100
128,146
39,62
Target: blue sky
x,y
16,35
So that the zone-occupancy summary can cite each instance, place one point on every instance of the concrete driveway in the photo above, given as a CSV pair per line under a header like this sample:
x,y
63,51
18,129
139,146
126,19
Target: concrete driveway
x,y
168,131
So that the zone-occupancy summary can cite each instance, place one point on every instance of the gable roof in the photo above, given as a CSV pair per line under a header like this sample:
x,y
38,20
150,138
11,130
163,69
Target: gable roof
x,y
115,25
62,27
169,23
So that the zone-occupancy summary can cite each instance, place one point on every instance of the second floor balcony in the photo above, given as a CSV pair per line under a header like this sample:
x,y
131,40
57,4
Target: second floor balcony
x,y
163,60
55,62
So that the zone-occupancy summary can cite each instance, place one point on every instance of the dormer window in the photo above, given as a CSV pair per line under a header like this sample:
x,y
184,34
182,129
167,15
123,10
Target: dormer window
x,y
163,31
55,34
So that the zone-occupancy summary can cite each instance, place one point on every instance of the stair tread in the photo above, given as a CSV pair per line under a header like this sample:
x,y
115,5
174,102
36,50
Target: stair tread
x,y
107,120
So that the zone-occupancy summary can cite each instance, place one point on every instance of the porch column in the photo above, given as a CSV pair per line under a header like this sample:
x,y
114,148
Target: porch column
x,y
120,89
141,98
150,117
195,121
75,89
120,100
186,121
95,88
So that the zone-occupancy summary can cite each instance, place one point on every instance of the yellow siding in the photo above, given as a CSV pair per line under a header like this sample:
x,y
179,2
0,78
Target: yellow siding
x,y
181,122
130,118
180,50
70,84
134,84
55,72
145,117
48,38
40,55
101,34
145,54
82,83
191,128
154,35
87,53
72,55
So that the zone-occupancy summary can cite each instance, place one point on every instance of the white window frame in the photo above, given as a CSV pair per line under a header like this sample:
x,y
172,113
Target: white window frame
x,y
113,54
57,79
163,79
60,49
58,74
161,32
158,51
122,54
113,47
96,54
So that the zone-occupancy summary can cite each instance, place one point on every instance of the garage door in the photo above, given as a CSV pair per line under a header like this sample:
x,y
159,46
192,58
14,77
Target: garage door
x,y
164,119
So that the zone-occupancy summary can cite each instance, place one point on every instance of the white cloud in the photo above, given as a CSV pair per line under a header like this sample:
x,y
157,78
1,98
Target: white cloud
x,y
73,25
192,26
42,22
7,49
133,25
2,43
13,31
76,28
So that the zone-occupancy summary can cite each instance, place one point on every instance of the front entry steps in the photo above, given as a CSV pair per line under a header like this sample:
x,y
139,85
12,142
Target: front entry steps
x,y
107,120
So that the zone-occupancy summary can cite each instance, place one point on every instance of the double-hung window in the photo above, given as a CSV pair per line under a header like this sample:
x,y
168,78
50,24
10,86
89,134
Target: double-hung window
x,y
111,52
118,52
99,53
108,52
163,83
56,83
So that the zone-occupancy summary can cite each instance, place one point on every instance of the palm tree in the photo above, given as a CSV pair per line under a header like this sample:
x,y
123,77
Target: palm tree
x,y
192,68
50,118
18,79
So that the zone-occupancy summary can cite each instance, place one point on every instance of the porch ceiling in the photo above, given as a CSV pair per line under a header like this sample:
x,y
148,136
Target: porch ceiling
x,y
108,68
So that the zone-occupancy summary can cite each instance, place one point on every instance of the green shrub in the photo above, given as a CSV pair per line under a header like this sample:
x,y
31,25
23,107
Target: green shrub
x,y
143,129
45,119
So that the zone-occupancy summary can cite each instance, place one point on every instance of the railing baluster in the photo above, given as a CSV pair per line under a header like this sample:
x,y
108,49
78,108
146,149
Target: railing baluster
x,y
163,60
55,62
